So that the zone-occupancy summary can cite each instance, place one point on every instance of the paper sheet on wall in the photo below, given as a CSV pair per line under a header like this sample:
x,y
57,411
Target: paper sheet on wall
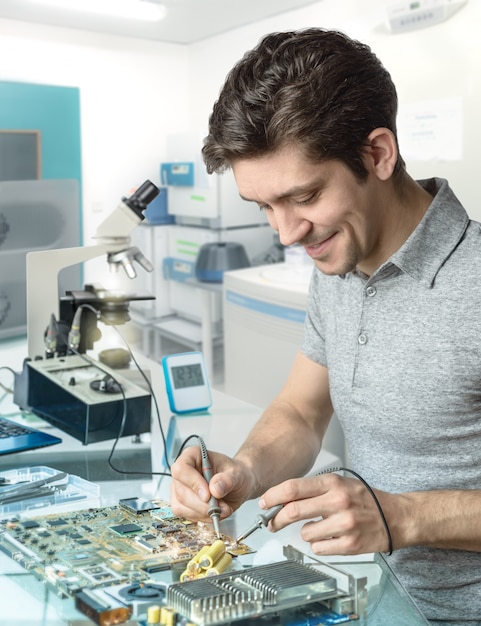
x,y
431,130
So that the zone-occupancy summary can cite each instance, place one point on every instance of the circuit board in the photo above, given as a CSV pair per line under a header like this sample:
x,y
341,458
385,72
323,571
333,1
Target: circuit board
x,y
112,562
93,548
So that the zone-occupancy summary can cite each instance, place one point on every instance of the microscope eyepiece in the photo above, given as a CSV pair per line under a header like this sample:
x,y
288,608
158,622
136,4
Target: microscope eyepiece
x,y
141,197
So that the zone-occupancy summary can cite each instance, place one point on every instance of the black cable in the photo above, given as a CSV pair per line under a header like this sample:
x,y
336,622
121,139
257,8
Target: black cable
x,y
149,385
184,443
331,470
122,422
124,414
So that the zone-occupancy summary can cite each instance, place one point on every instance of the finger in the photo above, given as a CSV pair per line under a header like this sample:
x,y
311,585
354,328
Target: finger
x,y
334,545
185,473
300,489
343,533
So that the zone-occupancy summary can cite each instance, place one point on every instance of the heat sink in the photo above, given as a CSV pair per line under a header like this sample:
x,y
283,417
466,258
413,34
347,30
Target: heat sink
x,y
260,590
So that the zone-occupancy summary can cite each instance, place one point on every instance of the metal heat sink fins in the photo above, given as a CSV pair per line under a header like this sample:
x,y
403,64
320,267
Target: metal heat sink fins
x,y
243,594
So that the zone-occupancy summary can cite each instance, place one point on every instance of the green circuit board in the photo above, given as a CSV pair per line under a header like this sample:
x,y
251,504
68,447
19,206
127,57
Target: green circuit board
x,y
93,548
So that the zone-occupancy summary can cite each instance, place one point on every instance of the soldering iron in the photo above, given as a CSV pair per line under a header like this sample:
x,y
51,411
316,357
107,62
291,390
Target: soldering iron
x,y
214,508
262,519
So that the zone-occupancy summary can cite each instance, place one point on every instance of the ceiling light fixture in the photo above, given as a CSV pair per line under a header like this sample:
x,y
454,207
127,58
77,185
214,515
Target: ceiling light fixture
x,y
146,10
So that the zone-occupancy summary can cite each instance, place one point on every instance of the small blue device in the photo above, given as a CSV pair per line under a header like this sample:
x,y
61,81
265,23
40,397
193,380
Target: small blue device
x,y
187,382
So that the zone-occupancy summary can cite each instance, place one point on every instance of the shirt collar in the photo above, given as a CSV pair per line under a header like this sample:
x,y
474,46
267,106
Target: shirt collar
x,y
438,233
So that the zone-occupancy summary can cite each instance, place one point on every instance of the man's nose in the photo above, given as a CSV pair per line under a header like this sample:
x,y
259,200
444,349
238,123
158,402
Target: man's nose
x,y
291,227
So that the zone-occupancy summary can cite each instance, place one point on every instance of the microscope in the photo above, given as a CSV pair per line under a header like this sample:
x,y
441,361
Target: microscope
x,y
112,238
59,382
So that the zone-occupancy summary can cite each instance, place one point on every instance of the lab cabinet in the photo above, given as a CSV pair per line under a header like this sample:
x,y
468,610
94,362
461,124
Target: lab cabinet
x,y
264,312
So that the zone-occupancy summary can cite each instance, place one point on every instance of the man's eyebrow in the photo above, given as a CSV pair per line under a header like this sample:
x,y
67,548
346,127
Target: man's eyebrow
x,y
288,193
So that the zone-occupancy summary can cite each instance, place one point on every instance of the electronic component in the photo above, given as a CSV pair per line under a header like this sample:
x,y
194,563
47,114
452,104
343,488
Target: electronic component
x,y
252,592
139,596
94,548
98,610
209,561
111,562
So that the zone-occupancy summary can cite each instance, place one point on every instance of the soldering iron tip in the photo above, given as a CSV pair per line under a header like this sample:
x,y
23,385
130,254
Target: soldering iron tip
x,y
241,538
215,521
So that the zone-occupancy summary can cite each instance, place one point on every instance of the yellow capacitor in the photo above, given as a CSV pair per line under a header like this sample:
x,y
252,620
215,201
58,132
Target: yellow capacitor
x,y
153,615
193,567
213,554
167,616
220,566
194,563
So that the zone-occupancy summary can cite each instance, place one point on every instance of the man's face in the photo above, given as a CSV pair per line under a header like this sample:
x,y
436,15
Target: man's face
x,y
321,206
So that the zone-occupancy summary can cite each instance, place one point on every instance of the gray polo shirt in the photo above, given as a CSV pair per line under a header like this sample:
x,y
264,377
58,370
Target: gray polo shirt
x,y
403,349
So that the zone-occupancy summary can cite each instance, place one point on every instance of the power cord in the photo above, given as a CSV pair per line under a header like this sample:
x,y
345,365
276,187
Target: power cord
x,y
332,470
124,402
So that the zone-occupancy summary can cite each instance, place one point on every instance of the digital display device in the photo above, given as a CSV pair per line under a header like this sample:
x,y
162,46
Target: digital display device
x,y
187,376
186,382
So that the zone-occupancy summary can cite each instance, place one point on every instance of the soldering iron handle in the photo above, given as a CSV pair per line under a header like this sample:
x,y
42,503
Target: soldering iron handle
x,y
266,517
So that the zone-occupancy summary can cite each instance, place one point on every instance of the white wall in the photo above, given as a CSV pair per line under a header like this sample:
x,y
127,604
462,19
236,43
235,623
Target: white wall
x,y
132,93
436,62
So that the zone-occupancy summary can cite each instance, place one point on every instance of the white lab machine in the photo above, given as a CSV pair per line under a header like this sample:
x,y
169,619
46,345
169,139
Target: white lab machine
x,y
264,312
184,243
207,209
199,199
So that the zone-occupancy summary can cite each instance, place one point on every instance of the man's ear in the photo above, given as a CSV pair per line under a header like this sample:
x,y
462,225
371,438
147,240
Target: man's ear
x,y
381,153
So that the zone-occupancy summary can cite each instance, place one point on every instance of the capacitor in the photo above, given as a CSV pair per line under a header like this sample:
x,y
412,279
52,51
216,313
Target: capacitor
x,y
213,554
222,565
153,615
167,616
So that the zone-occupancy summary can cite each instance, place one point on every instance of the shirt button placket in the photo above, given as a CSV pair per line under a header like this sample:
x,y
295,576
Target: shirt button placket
x,y
370,292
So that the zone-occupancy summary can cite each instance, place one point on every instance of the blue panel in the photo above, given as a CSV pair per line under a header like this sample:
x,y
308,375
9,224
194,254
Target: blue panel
x,y
177,174
178,269
55,113
266,308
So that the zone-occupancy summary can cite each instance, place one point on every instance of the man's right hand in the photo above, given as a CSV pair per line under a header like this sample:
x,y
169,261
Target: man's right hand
x,y
232,484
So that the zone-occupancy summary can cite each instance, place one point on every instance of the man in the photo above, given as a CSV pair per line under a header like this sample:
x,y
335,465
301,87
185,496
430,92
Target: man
x,y
307,122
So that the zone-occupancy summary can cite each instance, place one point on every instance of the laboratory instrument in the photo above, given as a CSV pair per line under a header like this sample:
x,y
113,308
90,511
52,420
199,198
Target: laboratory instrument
x,y
113,237
89,401
186,381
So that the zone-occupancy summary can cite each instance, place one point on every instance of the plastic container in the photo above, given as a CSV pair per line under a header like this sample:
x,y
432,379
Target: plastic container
x,y
68,494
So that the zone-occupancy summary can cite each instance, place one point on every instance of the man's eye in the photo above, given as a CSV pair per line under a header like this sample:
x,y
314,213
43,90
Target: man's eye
x,y
264,207
305,200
